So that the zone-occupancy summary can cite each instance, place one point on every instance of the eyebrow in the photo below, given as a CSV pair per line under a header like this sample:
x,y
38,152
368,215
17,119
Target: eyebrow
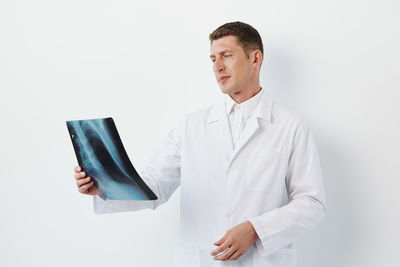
x,y
222,52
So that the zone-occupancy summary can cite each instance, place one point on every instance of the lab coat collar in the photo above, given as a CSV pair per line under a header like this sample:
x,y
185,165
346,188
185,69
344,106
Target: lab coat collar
x,y
263,109
248,107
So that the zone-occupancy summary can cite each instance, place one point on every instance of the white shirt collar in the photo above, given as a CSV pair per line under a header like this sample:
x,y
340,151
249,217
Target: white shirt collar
x,y
248,107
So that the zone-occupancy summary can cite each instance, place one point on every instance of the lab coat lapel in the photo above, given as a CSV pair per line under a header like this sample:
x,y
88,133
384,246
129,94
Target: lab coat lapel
x,y
219,119
251,127
226,136
263,112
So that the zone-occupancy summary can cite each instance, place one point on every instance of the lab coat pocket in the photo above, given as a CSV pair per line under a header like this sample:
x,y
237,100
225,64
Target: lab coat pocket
x,y
186,255
267,171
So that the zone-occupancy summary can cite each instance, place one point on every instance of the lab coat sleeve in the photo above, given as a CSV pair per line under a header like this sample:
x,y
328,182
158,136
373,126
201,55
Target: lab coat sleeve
x,y
161,173
307,206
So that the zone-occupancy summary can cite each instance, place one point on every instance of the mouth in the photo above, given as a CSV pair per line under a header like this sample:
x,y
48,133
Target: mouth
x,y
223,79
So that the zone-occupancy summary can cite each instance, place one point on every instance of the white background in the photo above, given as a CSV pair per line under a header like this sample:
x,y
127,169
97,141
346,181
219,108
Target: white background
x,y
146,64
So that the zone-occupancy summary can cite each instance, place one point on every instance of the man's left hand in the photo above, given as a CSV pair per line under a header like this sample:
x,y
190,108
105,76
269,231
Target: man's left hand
x,y
235,242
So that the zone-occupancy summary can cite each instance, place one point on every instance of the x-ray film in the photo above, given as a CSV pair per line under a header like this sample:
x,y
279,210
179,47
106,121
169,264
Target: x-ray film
x,y
102,156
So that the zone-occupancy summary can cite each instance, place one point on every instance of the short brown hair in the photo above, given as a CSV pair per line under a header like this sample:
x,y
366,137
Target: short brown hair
x,y
248,37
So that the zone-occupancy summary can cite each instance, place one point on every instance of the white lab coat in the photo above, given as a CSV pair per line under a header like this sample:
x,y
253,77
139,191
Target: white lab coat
x,y
272,178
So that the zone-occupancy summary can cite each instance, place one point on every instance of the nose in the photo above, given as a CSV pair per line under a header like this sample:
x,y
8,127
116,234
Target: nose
x,y
219,65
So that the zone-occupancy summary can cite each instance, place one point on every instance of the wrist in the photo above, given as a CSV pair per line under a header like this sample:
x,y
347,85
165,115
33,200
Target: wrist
x,y
252,230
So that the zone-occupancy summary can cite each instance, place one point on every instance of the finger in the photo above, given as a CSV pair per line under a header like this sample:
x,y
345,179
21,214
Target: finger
x,y
78,169
221,248
222,240
84,181
235,256
85,187
226,255
80,175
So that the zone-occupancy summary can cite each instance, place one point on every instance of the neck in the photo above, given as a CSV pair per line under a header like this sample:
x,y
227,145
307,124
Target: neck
x,y
244,95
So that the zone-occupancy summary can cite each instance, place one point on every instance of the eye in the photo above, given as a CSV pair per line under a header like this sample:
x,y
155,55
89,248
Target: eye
x,y
227,55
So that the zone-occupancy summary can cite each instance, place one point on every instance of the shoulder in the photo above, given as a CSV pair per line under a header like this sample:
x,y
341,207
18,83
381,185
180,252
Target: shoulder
x,y
196,121
289,124
294,124
283,115
203,115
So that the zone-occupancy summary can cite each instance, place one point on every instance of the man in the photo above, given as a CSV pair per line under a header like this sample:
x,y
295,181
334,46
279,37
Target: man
x,y
248,168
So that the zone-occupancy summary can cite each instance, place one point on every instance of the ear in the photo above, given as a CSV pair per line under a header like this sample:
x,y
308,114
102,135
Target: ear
x,y
257,57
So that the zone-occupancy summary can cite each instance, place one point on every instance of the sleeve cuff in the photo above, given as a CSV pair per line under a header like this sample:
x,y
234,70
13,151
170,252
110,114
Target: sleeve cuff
x,y
261,235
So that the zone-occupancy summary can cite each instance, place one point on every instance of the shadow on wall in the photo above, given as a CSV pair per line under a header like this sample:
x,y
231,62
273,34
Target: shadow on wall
x,y
338,239
280,75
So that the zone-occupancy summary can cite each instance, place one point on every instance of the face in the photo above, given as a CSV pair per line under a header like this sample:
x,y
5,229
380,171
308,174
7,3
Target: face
x,y
232,69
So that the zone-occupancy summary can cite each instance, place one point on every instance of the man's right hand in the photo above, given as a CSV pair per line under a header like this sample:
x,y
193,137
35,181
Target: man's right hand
x,y
85,183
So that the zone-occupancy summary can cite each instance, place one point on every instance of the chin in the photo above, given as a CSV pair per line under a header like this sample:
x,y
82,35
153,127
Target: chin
x,y
225,90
